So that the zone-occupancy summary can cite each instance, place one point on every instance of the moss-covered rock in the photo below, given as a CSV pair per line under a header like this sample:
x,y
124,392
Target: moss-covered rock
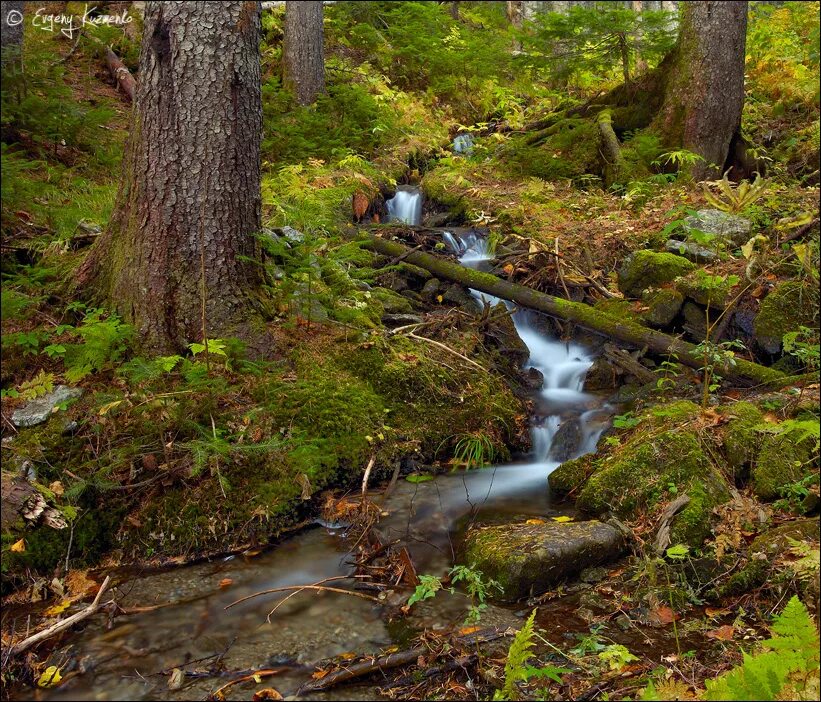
x,y
663,457
705,289
742,436
788,454
662,306
526,559
645,269
392,302
571,475
789,306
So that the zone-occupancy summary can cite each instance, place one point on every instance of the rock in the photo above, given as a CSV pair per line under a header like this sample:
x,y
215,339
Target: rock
x,y
695,320
436,220
663,306
431,289
400,320
459,296
742,438
602,375
571,475
705,289
567,441
533,378
391,302
691,251
786,457
645,269
727,228
39,410
501,332
593,575
527,559
463,144
293,235
744,317
788,306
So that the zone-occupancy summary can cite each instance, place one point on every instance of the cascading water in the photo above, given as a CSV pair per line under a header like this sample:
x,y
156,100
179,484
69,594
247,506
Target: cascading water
x,y
405,206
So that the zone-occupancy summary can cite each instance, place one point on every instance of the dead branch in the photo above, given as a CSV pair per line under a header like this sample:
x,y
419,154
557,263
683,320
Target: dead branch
x,y
663,535
121,74
288,588
62,625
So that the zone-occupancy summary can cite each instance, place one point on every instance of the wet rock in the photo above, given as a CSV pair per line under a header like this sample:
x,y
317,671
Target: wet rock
x,y
663,306
695,320
459,296
691,251
501,332
567,441
727,228
533,378
39,410
787,307
527,559
602,375
431,289
436,220
400,320
645,269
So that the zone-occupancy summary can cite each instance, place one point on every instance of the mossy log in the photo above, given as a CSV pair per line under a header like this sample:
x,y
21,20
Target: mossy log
x,y
744,372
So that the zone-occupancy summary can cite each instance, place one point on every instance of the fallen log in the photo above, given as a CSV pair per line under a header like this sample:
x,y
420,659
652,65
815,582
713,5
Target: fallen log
x,y
121,74
392,660
623,330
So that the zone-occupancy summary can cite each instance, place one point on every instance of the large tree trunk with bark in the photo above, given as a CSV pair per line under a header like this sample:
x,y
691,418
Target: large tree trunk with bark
x,y
303,51
174,261
585,316
704,91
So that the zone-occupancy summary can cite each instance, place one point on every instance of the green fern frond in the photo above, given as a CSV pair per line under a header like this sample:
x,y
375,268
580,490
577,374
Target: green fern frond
x,y
518,656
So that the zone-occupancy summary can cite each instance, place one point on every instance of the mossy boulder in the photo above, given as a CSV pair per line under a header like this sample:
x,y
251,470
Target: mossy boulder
x,y
788,454
662,306
728,229
571,475
742,436
646,269
392,303
528,558
664,457
705,289
788,306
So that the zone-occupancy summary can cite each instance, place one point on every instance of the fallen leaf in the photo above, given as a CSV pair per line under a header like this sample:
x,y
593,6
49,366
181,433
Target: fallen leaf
x,y
225,582
468,630
715,611
662,615
57,609
18,546
723,633
346,656
562,519
269,693
50,677
535,521
79,584
177,679
319,674
57,488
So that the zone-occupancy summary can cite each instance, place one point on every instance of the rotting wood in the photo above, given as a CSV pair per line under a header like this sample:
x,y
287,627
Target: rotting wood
x,y
625,361
663,534
62,625
393,660
121,74
623,330
613,161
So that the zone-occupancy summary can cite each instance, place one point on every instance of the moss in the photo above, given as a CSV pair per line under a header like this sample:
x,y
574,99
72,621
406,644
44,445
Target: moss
x,y
741,436
785,457
790,305
570,475
662,306
673,413
391,302
619,308
709,290
645,269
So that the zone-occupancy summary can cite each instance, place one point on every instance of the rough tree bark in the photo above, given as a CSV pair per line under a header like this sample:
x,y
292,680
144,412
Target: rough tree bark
x,y
178,246
11,30
704,91
515,15
303,51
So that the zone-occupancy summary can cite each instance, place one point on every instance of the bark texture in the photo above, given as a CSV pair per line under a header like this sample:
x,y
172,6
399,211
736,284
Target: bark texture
x,y
704,92
11,29
304,50
607,325
189,199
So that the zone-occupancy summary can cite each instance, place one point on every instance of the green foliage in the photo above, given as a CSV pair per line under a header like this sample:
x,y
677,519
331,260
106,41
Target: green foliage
x,y
518,656
626,421
616,656
427,588
478,589
803,345
678,159
735,199
104,339
785,670
474,451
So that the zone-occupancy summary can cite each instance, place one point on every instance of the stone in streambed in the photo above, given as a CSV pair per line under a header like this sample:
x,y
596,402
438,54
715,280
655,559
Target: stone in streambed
x,y
39,410
527,559
567,441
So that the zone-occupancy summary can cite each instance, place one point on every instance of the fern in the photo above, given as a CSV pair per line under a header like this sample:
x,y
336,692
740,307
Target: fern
x,y
518,655
792,662
40,384
732,199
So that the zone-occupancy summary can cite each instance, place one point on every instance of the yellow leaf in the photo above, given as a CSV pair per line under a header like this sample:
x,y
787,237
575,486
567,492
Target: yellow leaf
x,y
50,678
535,521
257,678
106,408
57,488
562,519
18,546
54,610
439,298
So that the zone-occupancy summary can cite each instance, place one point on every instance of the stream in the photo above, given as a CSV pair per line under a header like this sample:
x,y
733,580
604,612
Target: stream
x,y
430,517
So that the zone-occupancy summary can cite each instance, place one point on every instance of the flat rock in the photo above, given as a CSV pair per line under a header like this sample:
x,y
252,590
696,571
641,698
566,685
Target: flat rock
x,y
527,559
691,250
38,410
729,228
400,320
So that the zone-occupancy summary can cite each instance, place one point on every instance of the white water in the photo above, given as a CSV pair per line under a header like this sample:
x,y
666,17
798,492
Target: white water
x,y
405,206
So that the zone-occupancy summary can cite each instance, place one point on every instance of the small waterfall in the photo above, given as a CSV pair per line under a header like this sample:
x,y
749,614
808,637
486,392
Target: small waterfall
x,y
562,364
405,206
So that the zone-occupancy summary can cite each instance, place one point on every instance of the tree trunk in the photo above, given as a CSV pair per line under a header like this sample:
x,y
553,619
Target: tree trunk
x,y
174,261
303,51
705,88
638,38
585,316
515,15
11,30
454,10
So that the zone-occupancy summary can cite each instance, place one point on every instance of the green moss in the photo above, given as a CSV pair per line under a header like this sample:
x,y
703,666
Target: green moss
x,y
784,458
663,306
742,437
621,309
392,303
706,289
570,475
790,305
569,152
645,269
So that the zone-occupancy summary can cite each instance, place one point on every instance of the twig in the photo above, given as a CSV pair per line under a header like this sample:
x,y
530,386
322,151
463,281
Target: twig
x,y
448,349
257,675
559,267
367,475
62,625
303,587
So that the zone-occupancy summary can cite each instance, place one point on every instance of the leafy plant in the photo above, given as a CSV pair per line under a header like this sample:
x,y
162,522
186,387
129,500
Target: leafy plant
x,y
715,356
788,669
474,451
681,158
734,199
427,588
478,589
616,656
626,421
803,345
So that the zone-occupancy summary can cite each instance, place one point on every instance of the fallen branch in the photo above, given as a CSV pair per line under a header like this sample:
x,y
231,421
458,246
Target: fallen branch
x,y
121,74
392,660
411,335
62,625
288,588
256,676
624,360
663,535
595,320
